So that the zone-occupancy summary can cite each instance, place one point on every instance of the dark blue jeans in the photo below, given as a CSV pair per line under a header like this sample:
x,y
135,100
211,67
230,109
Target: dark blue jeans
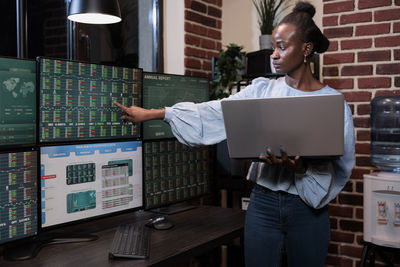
x,y
278,222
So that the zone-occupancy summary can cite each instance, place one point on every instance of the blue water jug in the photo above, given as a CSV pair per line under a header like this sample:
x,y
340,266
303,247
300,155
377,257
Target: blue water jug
x,y
385,133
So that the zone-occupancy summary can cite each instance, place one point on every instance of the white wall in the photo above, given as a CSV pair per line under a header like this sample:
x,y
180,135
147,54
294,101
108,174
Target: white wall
x,y
174,42
240,22
145,27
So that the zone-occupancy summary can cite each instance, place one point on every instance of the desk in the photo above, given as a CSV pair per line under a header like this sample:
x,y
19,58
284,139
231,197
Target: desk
x,y
196,231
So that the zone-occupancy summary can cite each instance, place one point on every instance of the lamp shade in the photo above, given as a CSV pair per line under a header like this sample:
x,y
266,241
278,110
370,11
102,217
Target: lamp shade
x,y
94,11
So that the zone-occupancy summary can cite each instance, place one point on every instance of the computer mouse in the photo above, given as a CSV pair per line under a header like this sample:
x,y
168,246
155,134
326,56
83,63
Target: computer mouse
x,y
160,223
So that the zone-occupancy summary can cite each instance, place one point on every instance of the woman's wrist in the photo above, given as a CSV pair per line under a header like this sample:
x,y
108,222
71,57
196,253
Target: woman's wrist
x,y
156,114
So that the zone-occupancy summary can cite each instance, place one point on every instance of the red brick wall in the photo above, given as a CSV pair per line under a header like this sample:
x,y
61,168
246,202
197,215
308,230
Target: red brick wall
x,y
363,61
202,35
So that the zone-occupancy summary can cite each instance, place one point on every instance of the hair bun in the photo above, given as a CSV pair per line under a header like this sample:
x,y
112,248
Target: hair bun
x,y
322,45
305,7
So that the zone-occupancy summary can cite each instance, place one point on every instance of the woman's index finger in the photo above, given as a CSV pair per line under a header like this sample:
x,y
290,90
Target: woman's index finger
x,y
122,107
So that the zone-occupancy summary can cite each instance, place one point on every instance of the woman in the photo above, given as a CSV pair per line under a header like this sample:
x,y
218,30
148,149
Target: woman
x,y
288,213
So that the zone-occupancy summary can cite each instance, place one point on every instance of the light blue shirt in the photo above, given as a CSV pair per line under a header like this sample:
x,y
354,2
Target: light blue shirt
x,y
202,124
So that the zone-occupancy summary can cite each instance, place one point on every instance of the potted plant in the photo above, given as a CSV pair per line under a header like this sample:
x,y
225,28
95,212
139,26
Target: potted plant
x,y
227,70
267,10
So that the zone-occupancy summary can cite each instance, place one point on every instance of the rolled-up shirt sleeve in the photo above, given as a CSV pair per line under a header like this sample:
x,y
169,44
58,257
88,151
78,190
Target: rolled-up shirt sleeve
x,y
324,179
196,124
199,124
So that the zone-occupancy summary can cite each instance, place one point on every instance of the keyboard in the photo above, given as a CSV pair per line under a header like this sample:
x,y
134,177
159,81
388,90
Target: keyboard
x,y
131,241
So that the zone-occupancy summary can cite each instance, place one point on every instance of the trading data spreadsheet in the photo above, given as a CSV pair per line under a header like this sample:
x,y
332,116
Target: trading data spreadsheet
x,y
76,100
18,195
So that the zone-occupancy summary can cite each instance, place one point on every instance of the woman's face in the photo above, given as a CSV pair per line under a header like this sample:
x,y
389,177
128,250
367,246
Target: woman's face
x,y
288,49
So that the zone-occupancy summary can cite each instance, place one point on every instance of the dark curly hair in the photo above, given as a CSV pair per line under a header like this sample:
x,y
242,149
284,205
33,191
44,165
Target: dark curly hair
x,y
301,17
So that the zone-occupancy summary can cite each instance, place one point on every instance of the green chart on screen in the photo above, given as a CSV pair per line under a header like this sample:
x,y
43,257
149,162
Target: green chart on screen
x,y
17,101
165,90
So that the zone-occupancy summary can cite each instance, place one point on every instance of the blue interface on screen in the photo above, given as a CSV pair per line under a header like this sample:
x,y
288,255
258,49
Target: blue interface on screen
x,y
88,180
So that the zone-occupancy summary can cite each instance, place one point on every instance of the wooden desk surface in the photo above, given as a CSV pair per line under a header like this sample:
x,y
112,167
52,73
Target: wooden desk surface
x,y
195,231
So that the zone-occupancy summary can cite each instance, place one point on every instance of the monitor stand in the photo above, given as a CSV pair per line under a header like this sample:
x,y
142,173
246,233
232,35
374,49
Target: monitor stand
x,y
28,249
172,209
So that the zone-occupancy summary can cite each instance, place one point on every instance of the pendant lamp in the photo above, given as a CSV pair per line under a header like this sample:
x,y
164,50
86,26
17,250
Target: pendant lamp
x,y
94,11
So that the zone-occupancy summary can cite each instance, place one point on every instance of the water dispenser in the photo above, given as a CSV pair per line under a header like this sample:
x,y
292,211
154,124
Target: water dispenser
x,y
382,188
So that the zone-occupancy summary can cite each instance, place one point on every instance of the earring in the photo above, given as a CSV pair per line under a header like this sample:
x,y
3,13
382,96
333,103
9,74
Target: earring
x,y
305,59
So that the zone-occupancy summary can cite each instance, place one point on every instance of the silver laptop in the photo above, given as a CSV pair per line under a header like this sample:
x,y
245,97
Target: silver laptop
x,y
309,126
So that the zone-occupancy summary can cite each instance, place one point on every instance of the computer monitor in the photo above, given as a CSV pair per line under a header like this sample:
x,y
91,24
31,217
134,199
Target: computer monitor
x,y
75,101
162,90
174,172
18,195
17,102
85,181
